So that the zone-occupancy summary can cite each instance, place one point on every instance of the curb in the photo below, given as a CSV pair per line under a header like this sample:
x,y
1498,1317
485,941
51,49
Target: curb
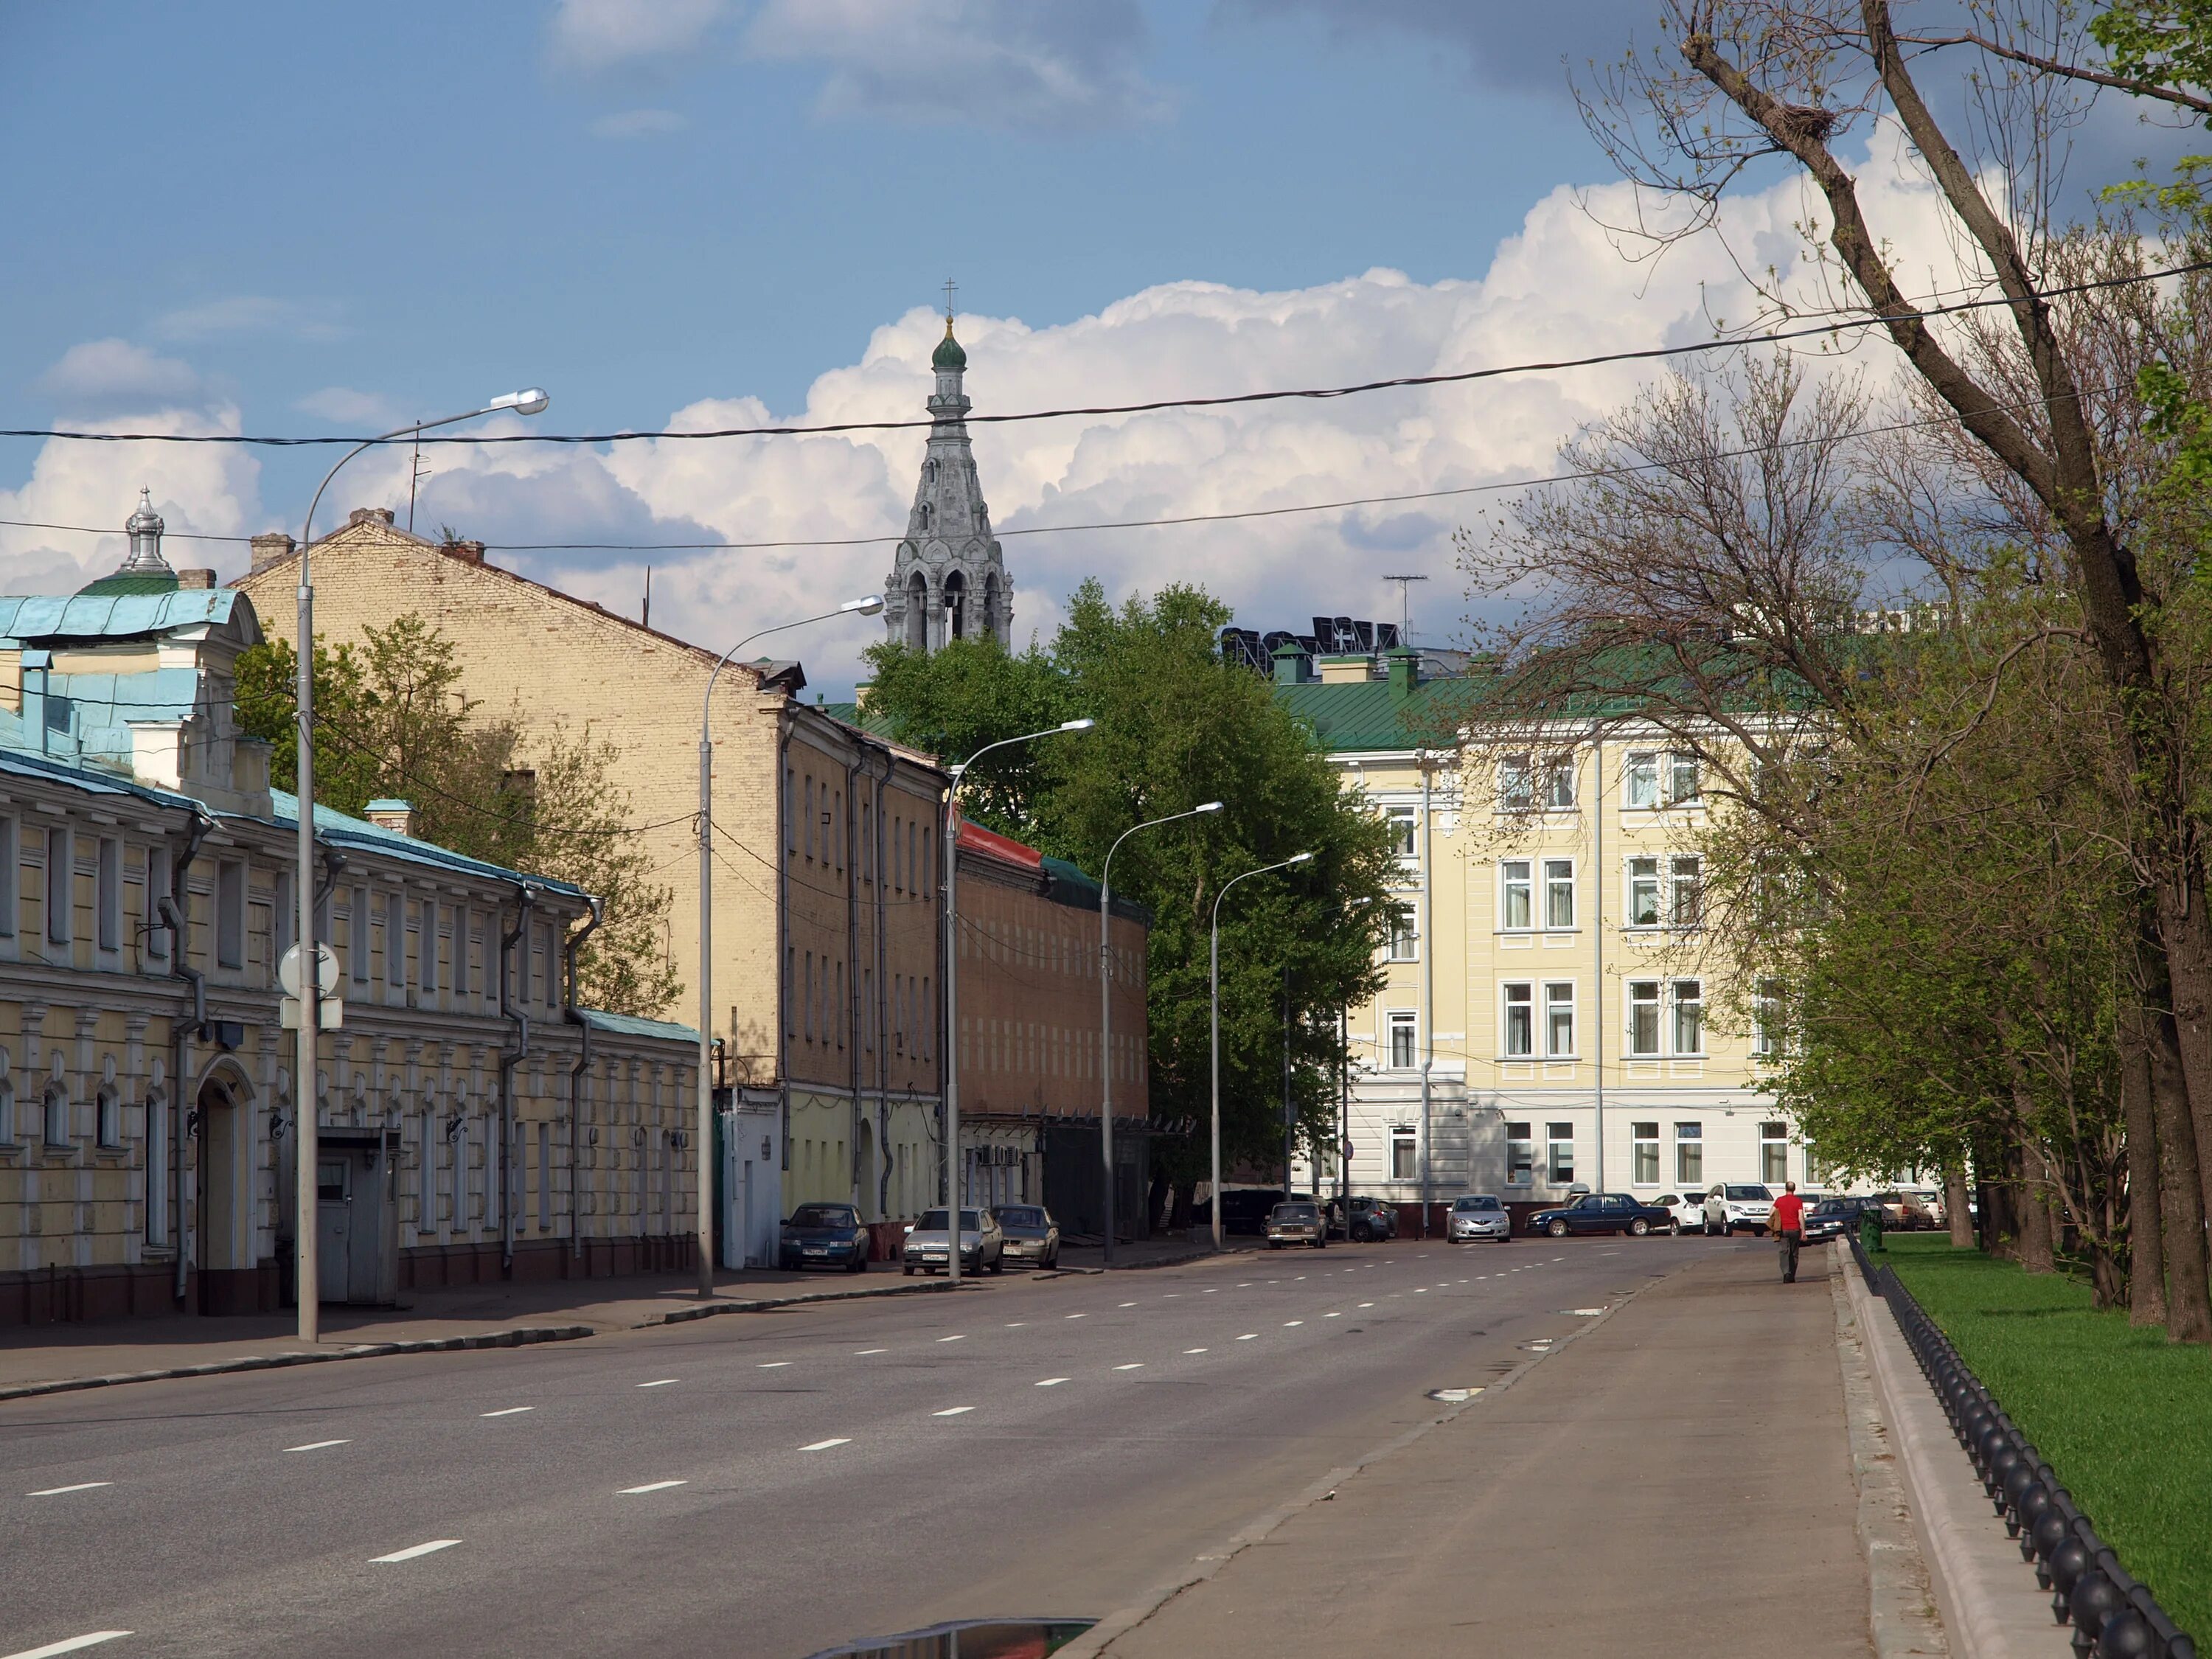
x,y
769,1305
1901,1614
1197,1253
1102,1636
519,1337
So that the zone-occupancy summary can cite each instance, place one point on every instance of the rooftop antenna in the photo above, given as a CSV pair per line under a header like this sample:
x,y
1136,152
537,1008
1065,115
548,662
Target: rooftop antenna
x,y
645,617
415,475
1405,605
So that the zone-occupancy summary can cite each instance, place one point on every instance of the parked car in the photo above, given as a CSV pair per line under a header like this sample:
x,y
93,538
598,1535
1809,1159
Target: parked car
x,y
1739,1206
1479,1215
1687,1211
1925,1205
1370,1220
1831,1217
823,1236
1600,1213
1296,1222
1243,1210
1895,1215
1030,1234
982,1245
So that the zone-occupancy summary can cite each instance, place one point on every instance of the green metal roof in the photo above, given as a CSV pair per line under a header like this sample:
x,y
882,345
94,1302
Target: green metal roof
x,y
949,353
96,614
635,1025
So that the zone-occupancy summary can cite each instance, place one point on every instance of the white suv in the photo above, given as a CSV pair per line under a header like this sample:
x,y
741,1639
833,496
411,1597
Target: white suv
x,y
1735,1205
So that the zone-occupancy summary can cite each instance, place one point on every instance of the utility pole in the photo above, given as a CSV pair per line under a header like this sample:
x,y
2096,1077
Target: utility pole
x,y
1290,1114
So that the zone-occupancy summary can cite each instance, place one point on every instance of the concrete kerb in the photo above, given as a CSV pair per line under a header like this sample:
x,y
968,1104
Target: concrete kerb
x,y
1901,1613
770,1304
1102,1636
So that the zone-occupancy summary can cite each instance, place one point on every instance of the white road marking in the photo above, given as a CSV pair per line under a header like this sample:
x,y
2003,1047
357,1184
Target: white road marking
x,y
511,1411
1559,1258
1248,1336
1421,1290
773,1364
56,1491
955,1411
1244,1284
1139,1366
91,1639
824,1446
1079,1315
1194,1351
1300,1280
661,1383
963,1337
1287,1323
861,1353
1052,1381
650,1486
318,1445
1214,1292
1016,1324
1171,1296
1586,1313
1333,1316
414,1550
1367,1304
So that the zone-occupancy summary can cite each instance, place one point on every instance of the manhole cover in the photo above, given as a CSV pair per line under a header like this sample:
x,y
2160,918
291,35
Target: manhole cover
x,y
970,1638
1453,1396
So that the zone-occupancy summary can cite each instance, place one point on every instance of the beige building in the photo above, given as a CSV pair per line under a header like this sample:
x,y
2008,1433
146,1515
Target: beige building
x,y
825,875
474,1122
1548,1021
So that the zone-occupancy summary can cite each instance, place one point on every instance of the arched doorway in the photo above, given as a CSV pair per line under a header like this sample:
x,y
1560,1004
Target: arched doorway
x,y
228,1277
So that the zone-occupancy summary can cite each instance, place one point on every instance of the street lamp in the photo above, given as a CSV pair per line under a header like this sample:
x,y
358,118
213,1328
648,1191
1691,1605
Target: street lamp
x,y
1106,1006
306,1271
867,606
952,839
1214,997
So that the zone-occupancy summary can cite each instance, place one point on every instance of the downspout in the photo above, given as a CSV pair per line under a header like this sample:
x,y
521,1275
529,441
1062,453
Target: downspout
x,y
527,901
852,975
575,1081
883,1012
787,828
173,917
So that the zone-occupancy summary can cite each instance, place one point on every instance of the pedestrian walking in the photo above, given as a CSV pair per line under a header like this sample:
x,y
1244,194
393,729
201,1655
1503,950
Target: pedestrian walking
x,y
1788,1225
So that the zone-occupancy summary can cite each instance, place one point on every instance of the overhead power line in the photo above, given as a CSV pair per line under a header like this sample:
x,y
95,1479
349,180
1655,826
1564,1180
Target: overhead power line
x,y
1461,376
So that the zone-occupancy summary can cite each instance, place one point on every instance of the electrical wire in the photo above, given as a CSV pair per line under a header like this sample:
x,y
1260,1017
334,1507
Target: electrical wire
x,y
1461,376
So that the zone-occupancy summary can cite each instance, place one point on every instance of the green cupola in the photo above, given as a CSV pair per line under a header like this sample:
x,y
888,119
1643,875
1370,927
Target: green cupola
x,y
948,353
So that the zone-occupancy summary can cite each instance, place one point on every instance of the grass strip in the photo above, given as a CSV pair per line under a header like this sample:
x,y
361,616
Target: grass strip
x,y
2123,1417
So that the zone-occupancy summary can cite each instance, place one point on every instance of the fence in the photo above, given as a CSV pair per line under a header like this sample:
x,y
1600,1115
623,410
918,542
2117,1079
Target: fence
x,y
2113,1616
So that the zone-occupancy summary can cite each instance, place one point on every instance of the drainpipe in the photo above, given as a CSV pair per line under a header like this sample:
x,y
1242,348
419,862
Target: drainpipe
x,y
851,827
883,1010
171,907
575,1079
527,901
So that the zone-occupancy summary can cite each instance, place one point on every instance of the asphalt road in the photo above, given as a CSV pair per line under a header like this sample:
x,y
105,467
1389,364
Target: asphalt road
x,y
762,1485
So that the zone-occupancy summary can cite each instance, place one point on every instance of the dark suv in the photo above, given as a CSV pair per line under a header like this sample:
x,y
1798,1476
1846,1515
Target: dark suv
x,y
1369,1220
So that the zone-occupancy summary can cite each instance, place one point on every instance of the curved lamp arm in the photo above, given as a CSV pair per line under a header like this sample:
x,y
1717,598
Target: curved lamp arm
x,y
1286,864
866,606
1106,869
534,401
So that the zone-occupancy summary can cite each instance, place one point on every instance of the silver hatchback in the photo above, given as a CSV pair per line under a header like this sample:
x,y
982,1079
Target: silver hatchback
x,y
982,1245
1479,1215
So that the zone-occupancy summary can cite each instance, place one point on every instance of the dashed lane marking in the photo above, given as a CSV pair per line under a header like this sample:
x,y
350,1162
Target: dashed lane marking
x,y
511,1411
1333,1316
1125,1304
963,1337
663,1382
1194,1351
90,1639
861,1354
952,1411
824,1446
1367,1304
650,1486
414,1550
1287,1323
1016,1324
318,1445
1079,1315
1052,1381
1138,1366
56,1491
773,1364
1248,1336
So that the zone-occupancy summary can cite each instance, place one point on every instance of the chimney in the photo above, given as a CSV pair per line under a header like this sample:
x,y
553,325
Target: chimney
x,y
369,515
1289,659
466,552
270,546
396,815
1405,671
196,579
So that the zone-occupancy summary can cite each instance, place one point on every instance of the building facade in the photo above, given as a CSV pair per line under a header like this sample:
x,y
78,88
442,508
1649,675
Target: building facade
x,y
1547,1022
474,1122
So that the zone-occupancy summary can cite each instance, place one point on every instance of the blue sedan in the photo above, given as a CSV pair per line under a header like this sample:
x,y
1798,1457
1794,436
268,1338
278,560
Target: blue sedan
x,y
1600,1212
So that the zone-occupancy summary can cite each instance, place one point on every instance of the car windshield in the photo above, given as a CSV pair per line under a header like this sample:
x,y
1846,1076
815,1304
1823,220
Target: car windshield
x,y
1470,1204
1296,1212
822,1215
1751,1195
1015,1216
932,1221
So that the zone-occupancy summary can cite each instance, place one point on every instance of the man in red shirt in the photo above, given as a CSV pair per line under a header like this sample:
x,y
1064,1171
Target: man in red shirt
x,y
1788,1225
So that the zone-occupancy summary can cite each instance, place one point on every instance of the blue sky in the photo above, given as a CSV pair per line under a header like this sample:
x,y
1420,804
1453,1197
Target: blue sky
x,y
285,218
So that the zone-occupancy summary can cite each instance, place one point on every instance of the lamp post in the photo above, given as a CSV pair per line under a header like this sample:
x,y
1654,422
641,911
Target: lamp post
x,y
1214,998
952,838
306,1271
867,606
1106,1006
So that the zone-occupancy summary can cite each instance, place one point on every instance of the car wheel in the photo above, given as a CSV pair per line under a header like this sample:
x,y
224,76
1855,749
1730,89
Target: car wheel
x,y
1639,1226
907,1268
1558,1229
1673,1230
998,1264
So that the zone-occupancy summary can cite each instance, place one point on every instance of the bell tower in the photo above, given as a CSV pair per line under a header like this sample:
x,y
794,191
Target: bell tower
x,y
948,581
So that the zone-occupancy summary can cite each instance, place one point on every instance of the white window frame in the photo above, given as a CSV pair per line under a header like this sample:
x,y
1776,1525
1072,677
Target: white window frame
x,y
426,946
1403,1139
1405,824
1685,999
1686,890
1559,878
1641,876
54,1115
1404,944
1642,1038
1516,997
1639,780
157,1165
1561,770
357,935
1520,1154
1554,1006
1689,1143
1517,879
395,939
1774,1151
1554,1175
1644,1153
1516,783
107,1119
1680,761
1395,1022
1766,1020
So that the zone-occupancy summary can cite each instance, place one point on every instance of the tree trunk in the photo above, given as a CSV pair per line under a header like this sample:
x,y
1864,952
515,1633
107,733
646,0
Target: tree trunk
x,y
1958,1210
2188,960
1156,1201
2000,1215
2188,1295
2037,1254
2146,1245
1179,1215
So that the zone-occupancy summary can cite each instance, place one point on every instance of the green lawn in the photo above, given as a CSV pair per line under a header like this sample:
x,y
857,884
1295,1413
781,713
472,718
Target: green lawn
x,y
2126,1419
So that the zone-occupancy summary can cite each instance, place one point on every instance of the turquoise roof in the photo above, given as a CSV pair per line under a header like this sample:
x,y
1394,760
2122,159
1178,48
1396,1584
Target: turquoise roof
x,y
94,616
634,1025
341,830
91,782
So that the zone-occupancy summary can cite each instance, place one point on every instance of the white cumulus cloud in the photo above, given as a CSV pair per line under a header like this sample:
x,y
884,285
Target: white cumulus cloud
x,y
114,371
603,34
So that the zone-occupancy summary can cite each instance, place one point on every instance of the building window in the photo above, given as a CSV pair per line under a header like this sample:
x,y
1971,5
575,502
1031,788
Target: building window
x,y
1816,1172
1640,782
1402,1043
1559,1020
10,875
1766,1020
1643,1018
806,996
1520,1004
1401,820
1559,1160
54,1130
1644,892
426,972
357,936
807,818
1689,1017
230,914
1516,906
1686,881
1645,1144
1516,784
923,884
1402,936
1690,1154
60,880
285,911
395,940
107,1118
1401,1154
157,888
1520,1156
1560,784
157,1168
1774,1153
108,894
1559,892
1681,780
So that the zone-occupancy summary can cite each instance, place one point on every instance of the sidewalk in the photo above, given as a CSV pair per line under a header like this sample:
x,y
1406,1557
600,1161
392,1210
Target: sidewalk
x,y
1677,1479
550,1309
